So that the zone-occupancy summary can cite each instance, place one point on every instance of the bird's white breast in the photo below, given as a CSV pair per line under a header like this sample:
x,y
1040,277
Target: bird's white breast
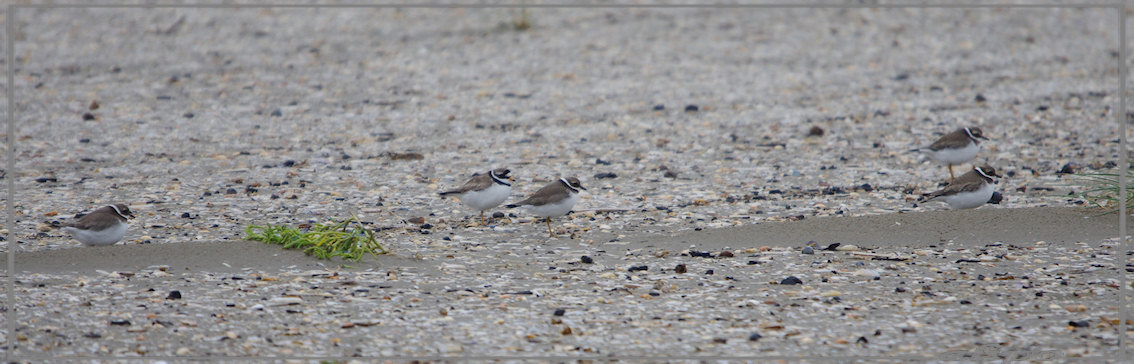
x,y
557,208
968,200
956,156
487,198
107,236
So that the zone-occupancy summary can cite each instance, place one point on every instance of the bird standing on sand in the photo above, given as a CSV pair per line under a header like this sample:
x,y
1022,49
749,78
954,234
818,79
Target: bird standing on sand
x,y
484,191
555,199
957,147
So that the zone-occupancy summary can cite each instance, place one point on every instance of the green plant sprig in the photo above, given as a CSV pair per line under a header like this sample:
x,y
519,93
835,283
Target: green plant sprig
x,y
1101,190
348,239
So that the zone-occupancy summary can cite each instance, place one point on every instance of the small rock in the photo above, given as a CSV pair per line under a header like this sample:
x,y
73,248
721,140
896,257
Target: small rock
x,y
416,220
709,272
277,112
46,179
559,312
120,322
173,295
88,117
807,250
1080,323
725,254
497,215
691,108
980,98
605,175
638,268
659,107
996,198
791,280
815,131
680,269
1067,169
694,253
754,337
601,162
188,115
669,173
586,259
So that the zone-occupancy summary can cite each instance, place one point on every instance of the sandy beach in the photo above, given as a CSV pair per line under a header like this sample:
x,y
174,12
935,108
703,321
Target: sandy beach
x,y
725,152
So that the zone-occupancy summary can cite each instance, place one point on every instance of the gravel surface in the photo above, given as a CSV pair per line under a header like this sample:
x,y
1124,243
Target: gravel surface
x,y
680,122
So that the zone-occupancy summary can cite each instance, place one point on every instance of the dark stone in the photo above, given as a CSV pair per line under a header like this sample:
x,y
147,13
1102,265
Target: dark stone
x,y
639,268
185,215
815,131
1067,169
46,179
754,337
602,162
680,269
174,295
807,250
88,117
659,107
725,254
694,253
120,322
586,259
288,163
277,112
996,198
230,191
188,115
604,175
790,280
559,312
1080,323
980,98
691,108
497,215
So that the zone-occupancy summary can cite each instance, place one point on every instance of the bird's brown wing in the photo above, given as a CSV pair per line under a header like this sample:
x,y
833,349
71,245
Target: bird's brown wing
x,y
553,192
102,218
955,140
476,183
968,182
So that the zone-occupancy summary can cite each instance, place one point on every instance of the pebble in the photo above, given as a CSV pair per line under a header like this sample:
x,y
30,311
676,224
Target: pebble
x,y
807,250
790,280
